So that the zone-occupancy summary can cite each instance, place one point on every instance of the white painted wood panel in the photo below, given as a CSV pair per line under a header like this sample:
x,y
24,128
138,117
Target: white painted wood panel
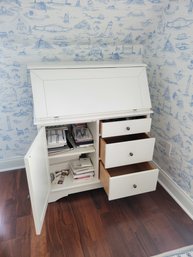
x,y
36,163
77,92
125,127
91,96
133,184
123,153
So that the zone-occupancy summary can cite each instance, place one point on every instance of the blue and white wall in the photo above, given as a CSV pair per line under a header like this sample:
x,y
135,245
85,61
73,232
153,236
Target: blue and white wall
x,y
160,31
53,31
169,54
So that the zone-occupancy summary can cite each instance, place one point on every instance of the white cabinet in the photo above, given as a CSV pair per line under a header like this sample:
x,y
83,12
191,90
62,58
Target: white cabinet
x,y
113,100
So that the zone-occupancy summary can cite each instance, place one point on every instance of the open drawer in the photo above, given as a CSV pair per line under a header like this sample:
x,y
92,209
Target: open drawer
x,y
130,149
131,125
129,180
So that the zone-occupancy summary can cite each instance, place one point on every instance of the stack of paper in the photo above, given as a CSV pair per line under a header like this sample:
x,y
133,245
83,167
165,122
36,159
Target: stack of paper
x,y
56,137
82,168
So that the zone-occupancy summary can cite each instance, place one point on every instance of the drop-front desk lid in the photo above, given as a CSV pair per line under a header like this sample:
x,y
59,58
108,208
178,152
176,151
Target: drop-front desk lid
x,y
75,91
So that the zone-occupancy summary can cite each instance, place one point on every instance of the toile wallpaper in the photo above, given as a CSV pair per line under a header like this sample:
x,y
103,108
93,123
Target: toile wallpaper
x,y
159,32
169,55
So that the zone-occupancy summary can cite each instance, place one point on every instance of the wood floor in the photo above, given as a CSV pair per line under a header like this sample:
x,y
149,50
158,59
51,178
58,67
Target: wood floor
x,y
88,225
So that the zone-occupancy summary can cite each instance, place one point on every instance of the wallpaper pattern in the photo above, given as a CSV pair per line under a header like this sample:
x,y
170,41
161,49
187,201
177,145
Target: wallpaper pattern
x,y
169,54
161,31
56,31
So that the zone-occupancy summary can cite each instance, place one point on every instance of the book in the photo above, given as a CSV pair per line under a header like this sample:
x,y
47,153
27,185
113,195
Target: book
x,y
83,175
82,165
81,168
82,179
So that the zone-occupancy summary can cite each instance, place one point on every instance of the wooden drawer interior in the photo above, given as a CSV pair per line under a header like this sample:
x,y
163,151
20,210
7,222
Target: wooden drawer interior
x,y
128,180
129,169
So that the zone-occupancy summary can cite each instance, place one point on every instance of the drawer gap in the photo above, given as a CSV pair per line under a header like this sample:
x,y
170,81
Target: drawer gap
x,y
127,118
128,169
111,140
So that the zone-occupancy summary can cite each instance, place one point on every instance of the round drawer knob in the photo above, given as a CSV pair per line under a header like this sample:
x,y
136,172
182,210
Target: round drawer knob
x,y
134,186
131,154
127,128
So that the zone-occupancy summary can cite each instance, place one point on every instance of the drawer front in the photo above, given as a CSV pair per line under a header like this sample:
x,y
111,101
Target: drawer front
x,y
123,153
129,184
125,127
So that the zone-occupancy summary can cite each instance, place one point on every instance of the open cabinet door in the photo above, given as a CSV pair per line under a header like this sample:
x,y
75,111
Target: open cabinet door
x,y
36,163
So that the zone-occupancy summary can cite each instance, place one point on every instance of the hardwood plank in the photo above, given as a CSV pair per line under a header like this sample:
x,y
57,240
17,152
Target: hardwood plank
x,y
62,234
15,247
88,225
8,220
23,207
38,244
22,226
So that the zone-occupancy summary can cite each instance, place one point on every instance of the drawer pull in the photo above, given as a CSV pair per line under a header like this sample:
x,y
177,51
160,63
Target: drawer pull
x,y
128,128
131,154
134,186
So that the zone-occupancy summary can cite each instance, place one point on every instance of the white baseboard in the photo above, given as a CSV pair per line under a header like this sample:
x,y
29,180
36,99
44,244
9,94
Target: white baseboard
x,y
181,197
11,164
